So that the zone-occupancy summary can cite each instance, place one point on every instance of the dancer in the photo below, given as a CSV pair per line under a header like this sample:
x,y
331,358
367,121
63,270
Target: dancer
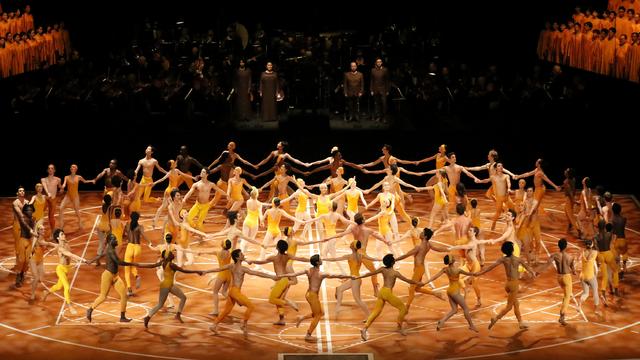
x,y
109,174
355,262
385,295
183,163
52,185
314,277
234,190
273,216
201,207
565,265
71,182
606,260
539,177
588,277
176,177
253,219
302,212
501,189
383,217
148,163
491,168
440,198
354,195
168,286
39,202
135,231
23,245
279,262
235,295
111,278
569,190
419,253
62,269
361,233
36,261
511,264
453,291
330,221
620,248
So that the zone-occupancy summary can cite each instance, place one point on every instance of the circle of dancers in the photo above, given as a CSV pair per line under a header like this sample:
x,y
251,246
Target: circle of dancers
x,y
599,225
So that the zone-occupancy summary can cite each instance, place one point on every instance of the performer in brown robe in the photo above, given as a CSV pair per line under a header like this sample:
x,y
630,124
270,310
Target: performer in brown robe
x,y
269,91
544,40
242,89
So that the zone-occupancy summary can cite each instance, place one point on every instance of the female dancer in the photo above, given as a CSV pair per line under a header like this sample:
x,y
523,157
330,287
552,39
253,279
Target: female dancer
x,y
176,177
71,181
453,291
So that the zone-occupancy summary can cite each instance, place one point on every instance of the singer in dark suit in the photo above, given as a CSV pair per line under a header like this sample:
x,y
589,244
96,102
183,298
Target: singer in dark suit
x,y
353,90
379,88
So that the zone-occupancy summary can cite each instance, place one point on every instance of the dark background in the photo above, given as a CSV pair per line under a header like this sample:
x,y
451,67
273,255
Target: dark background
x,y
596,139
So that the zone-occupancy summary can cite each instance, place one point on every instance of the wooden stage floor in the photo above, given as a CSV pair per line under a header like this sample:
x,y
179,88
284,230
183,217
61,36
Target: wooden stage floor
x,y
46,330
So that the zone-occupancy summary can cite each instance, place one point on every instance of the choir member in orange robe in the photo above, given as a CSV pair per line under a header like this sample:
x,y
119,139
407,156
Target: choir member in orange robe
x,y
608,52
27,19
32,52
623,27
13,23
40,48
58,42
556,41
66,40
18,55
607,22
573,48
49,47
621,59
634,58
595,20
4,59
635,25
596,55
578,16
19,25
4,24
543,41
567,35
586,46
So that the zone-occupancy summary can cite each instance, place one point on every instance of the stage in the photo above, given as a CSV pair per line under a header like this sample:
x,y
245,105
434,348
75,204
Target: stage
x,y
48,330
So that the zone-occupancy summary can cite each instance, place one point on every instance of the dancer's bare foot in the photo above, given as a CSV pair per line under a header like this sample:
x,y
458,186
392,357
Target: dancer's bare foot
x,y
523,326
298,321
364,334
493,322
310,338
214,329
177,317
292,304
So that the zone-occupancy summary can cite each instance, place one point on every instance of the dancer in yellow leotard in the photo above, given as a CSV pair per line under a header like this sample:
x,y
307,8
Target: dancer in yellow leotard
x,y
175,177
71,182
453,291
167,285
273,225
63,267
39,202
